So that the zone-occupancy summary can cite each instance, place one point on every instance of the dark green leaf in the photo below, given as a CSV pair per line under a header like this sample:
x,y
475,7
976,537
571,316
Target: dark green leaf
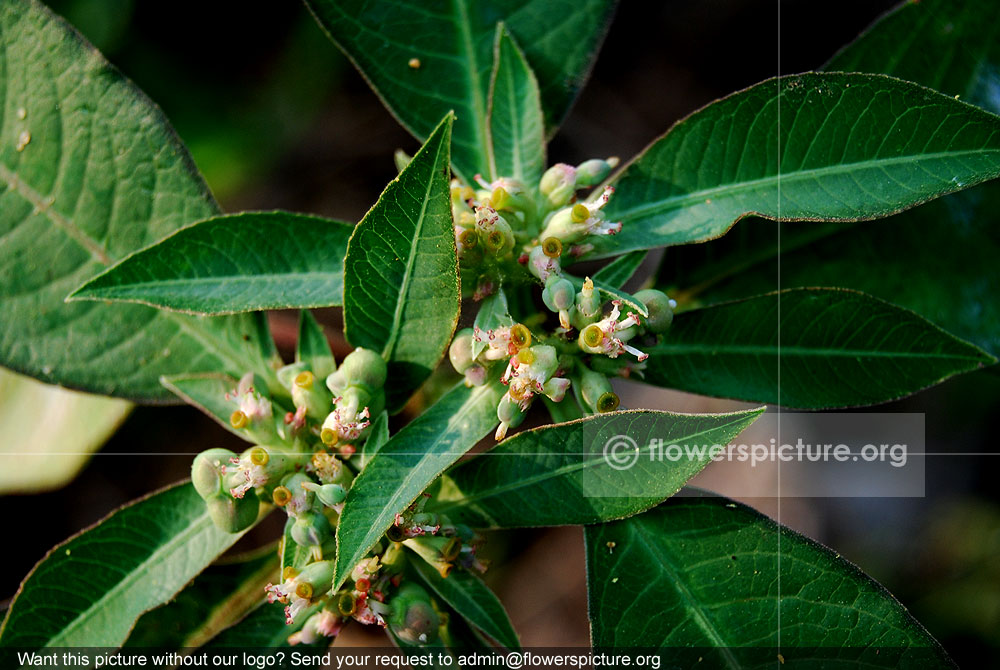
x,y
945,45
237,263
407,464
401,288
217,597
724,576
472,600
887,259
562,474
937,43
493,313
826,347
620,270
452,43
377,438
515,123
89,590
849,147
312,347
90,171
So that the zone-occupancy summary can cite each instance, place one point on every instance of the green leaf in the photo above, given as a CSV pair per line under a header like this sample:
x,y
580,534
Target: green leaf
x,y
218,597
90,171
724,576
945,45
312,347
494,312
452,43
407,464
887,259
377,438
49,432
939,44
401,288
472,599
516,126
559,475
849,147
620,270
809,348
236,263
89,590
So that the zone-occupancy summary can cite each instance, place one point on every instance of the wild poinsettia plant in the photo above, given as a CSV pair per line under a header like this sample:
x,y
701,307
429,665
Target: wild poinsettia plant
x,y
123,278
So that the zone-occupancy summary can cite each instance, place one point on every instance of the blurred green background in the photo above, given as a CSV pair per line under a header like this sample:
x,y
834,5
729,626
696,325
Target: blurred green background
x,y
275,117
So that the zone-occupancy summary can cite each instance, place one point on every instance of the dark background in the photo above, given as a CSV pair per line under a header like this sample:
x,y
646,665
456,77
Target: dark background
x,y
276,118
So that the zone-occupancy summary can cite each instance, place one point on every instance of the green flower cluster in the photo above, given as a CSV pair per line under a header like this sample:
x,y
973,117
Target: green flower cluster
x,y
508,234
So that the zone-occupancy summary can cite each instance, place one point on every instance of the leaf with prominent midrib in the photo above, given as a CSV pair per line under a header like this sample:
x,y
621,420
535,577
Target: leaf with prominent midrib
x,y
237,263
50,432
89,590
218,597
401,288
407,464
809,348
558,475
516,126
733,589
472,599
940,44
90,171
848,147
425,59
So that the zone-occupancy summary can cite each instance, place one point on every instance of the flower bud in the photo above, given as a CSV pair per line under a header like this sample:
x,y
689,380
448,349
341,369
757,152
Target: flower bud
x,y
233,515
541,264
308,392
559,296
311,529
597,392
494,231
558,184
469,246
316,579
328,494
594,171
460,352
511,415
660,308
362,367
207,471
413,618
